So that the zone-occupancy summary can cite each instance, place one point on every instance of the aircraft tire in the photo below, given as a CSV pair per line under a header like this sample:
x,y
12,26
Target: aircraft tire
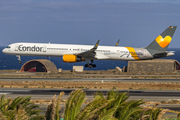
x,y
86,65
94,65
90,65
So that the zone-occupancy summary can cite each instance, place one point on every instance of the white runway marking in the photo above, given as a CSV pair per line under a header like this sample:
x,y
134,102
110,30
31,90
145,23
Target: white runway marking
x,y
15,90
4,93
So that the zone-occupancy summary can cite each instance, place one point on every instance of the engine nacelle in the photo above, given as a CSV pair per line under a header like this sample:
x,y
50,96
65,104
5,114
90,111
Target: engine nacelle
x,y
72,58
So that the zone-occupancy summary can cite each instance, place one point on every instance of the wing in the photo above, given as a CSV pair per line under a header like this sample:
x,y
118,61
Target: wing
x,y
90,54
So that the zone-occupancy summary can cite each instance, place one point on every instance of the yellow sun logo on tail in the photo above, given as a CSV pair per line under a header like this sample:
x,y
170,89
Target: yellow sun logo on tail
x,y
163,42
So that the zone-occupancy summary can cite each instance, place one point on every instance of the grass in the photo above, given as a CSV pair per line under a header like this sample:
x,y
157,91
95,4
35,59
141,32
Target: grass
x,y
170,102
142,88
171,119
81,87
26,86
91,84
114,87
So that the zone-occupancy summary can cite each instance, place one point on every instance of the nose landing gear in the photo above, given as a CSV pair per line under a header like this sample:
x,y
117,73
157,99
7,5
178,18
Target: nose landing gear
x,y
19,58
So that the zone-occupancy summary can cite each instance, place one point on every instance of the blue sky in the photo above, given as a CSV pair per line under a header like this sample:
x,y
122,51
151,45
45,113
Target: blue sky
x,y
136,23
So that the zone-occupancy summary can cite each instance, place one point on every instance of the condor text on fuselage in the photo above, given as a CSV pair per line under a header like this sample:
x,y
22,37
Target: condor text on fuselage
x,y
29,48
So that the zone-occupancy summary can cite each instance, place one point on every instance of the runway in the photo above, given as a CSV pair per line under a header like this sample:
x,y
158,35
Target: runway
x,y
89,92
93,79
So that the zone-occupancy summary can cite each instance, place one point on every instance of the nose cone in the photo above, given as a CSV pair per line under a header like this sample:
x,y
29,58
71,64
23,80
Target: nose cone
x,y
4,50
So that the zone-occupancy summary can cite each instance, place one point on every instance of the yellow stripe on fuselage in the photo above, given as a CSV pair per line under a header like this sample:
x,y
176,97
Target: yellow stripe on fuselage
x,y
133,53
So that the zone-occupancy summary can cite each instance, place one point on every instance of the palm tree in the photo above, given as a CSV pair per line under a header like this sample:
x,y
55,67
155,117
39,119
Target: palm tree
x,y
73,104
20,107
112,107
54,108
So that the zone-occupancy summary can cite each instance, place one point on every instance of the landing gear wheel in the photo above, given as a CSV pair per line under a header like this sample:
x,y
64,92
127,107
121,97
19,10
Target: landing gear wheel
x,y
20,62
90,65
86,65
94,65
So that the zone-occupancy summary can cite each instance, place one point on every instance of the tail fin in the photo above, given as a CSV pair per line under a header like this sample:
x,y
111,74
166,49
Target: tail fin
x,y
162,42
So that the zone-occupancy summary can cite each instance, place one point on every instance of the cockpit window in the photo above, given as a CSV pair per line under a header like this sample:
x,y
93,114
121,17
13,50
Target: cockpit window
x,y
8,46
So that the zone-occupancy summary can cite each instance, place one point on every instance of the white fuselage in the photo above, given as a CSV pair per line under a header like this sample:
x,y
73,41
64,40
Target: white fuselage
x,y
58,50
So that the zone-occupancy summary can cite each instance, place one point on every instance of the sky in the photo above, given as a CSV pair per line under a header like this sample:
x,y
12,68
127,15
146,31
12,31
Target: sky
x,y
135,22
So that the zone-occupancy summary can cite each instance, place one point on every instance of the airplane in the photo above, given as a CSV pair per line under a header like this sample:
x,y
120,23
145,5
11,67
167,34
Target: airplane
x,y
75,53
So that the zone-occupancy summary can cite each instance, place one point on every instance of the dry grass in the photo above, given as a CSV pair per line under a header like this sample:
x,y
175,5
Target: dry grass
x,y
171,102
90,85
111,73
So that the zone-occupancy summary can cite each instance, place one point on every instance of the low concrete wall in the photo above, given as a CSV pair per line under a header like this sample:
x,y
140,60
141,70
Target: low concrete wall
x,y
119,69
153,66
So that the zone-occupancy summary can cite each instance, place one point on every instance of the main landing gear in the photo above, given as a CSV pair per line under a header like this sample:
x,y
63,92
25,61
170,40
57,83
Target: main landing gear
x,y
90,65
19,58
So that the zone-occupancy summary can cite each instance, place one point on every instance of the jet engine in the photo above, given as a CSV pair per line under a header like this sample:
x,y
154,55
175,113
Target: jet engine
x,y
72,58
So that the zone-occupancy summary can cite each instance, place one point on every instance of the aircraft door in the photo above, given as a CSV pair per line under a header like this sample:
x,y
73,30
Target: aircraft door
x,y
118,52
44,48
16,47
144,53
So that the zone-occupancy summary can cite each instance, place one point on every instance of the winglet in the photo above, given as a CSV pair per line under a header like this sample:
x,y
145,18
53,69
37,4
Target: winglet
x,y
117,43
96,45
89,53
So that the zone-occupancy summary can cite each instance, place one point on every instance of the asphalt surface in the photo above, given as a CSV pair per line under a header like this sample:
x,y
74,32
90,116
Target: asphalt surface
x,y
89,92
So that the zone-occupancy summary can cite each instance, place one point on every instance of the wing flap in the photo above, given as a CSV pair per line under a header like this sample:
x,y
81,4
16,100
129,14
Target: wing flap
x,y
101,57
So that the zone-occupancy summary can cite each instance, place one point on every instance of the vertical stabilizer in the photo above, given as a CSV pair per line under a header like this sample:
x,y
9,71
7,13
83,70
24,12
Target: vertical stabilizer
x,y
162,42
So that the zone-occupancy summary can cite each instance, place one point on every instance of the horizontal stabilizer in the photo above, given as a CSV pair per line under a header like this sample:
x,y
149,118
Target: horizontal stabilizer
x,y
164,54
